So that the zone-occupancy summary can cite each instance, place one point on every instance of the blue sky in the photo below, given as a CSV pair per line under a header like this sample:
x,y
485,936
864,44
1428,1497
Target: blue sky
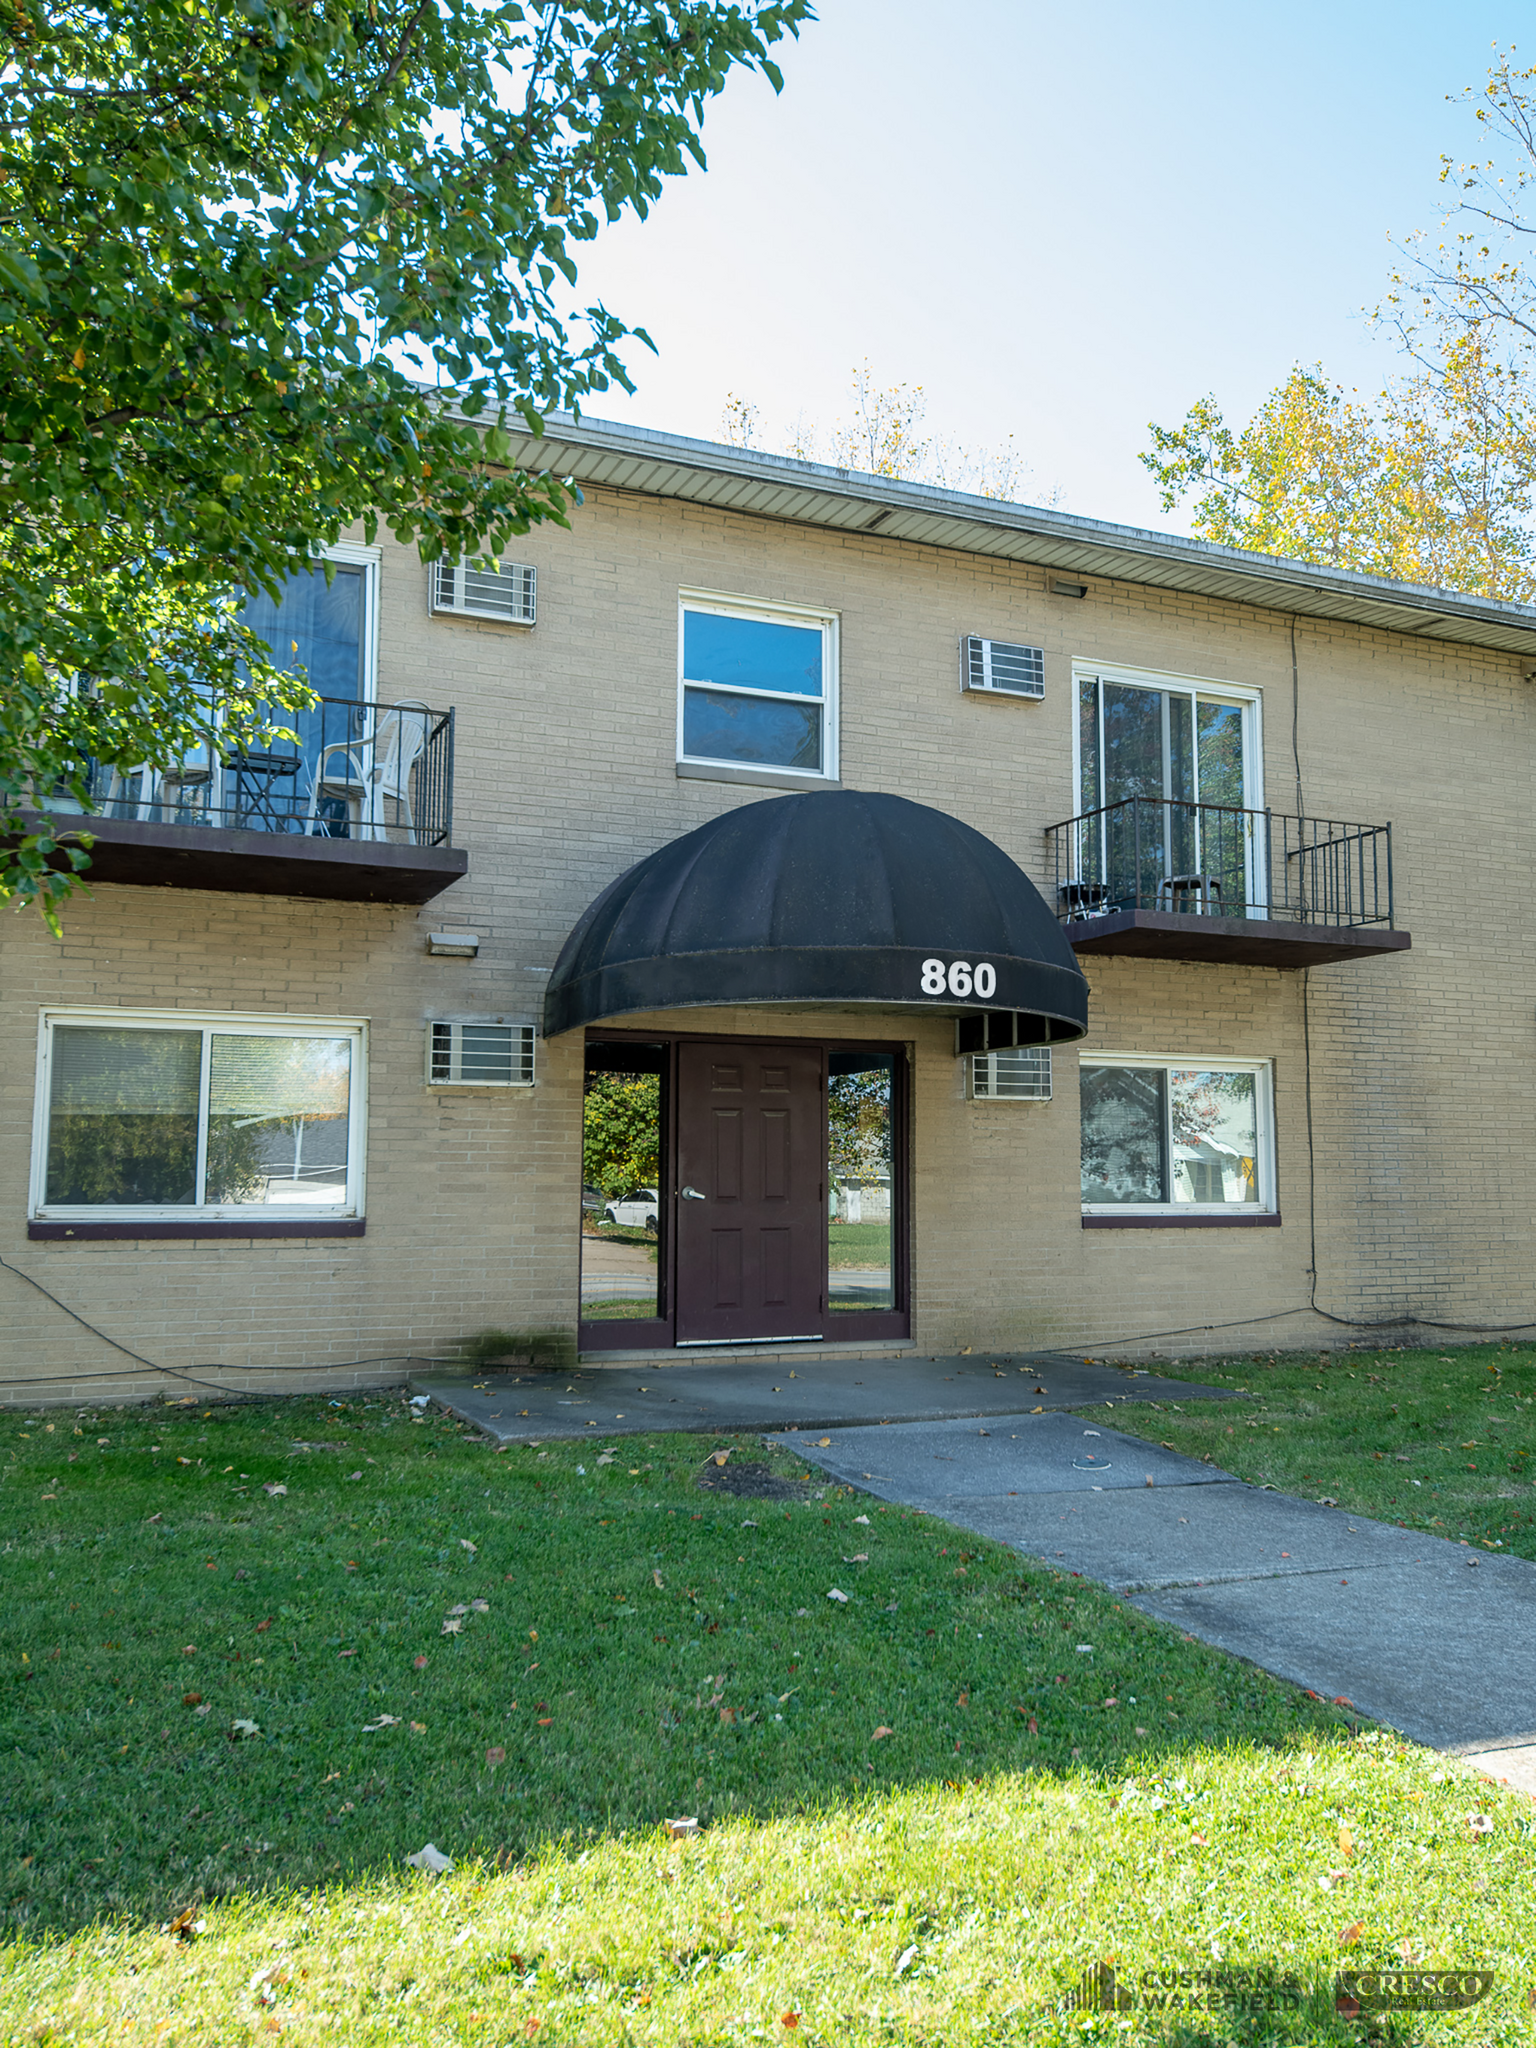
x,y
1062,222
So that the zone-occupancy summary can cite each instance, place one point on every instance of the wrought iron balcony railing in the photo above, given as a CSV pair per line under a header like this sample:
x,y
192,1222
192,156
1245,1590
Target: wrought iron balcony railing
x,y
360,771
1214,860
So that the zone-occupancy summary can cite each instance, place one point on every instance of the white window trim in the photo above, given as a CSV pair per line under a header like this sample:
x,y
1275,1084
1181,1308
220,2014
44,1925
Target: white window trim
x,y
726,604
208,1022
355,555
1264,1106
1201,686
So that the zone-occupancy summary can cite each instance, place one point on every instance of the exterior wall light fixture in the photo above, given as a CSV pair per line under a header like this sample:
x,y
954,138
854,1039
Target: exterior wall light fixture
x,y
454,945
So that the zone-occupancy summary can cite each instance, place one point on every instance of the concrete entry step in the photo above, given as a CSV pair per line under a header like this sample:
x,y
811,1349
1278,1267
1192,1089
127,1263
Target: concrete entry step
x,y
794,1394
771,1353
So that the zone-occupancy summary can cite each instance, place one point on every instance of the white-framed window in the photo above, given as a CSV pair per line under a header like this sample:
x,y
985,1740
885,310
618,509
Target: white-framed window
x,y
1170,789
170,1115
757,687
1185,1136
1017,1073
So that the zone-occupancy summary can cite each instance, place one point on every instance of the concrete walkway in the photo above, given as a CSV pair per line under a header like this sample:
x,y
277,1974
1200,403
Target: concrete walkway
x,y
1434,1638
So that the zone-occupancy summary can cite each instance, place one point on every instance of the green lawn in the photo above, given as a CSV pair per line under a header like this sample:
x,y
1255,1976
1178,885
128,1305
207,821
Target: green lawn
x,y
858,1244
1436,1440
645,1650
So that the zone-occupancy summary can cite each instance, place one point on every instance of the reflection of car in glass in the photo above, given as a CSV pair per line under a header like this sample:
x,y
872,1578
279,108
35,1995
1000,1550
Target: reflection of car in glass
x,y
592,1199
640,1209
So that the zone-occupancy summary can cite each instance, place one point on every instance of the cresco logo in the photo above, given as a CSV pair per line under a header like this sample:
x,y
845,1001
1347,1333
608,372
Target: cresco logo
x,y
1411,1990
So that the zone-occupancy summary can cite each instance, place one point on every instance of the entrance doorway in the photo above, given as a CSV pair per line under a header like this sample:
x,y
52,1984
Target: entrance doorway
x,y
740,1191
751,1192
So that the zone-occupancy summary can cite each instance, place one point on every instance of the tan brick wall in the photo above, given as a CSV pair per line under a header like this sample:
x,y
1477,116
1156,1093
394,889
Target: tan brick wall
x,y
1422,1113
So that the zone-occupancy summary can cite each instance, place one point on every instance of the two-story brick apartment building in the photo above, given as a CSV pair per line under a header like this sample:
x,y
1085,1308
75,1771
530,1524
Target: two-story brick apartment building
x,y
1011,950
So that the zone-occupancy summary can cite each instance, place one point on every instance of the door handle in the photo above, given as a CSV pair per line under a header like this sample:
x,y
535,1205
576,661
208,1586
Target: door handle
x,y
693,1195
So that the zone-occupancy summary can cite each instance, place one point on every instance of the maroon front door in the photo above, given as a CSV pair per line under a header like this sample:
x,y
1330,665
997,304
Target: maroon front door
x,y
750,1198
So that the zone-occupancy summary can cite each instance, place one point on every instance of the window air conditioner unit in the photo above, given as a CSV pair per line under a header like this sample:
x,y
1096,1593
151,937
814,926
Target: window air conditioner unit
x,y
479,1052
1001,668
507,593
1021,1073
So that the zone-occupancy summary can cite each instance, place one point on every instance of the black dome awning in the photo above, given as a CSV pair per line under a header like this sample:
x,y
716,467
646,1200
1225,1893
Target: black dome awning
x,y
834,898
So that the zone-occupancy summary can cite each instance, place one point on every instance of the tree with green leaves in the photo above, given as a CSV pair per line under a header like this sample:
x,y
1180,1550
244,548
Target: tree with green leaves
x,y
1434,480
268,271
621,1133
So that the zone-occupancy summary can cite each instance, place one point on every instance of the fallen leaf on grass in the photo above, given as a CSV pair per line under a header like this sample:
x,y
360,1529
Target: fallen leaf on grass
x,y
1349,1935
384,1721
479,1606
154,1518
465,1544
789,2019
684,1825
263,1626
905,1960
838,1594
657,1579
718,1457
186,1926
1346,1844
881,1733
858,1557
453,1625
354,1475
418,1727
242,1730
191,1699
430,1857
1480,1823
864,1519
495,1756
546,1721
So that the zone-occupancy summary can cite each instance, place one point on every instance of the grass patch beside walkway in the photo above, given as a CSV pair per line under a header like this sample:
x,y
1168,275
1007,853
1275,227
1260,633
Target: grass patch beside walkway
x,y
1443,1441
643,1651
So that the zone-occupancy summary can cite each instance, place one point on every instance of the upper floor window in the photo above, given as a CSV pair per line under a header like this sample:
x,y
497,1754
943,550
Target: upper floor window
x,y
757,687
147,1114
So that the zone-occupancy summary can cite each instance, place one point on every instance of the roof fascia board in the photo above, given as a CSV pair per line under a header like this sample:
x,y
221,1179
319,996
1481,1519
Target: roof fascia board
x,y
761,485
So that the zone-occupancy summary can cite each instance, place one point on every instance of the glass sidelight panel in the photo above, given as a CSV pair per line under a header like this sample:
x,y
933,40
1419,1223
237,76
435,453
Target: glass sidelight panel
x,y
623,1221
860,1224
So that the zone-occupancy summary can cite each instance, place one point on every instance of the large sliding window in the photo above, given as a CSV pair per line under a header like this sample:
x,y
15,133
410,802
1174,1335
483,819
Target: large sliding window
x,y
158,1114
1176,1137
1169,789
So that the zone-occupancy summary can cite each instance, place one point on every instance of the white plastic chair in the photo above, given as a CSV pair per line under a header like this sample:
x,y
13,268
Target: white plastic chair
x,y
375,770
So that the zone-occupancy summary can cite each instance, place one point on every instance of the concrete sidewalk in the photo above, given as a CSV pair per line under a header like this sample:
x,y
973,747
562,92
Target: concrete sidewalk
x,y
1434,1638
812,1393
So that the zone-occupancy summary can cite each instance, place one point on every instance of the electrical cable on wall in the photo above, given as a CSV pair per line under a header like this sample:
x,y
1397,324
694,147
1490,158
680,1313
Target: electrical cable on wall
x,y
174,1371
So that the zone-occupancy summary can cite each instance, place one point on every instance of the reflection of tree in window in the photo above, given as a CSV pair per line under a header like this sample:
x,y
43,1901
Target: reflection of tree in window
x,y
1123,1135
621,1132
268,1100
122,1125
859,1124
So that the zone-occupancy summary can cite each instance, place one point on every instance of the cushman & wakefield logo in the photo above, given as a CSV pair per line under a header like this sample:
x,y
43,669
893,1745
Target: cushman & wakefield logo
x,y
1267,1990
